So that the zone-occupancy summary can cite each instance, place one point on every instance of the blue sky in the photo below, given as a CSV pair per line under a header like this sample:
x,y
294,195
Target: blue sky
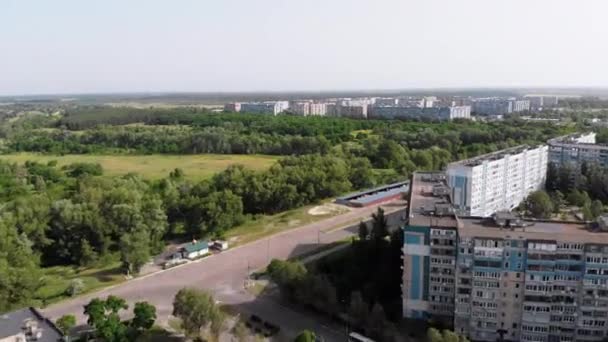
x,y
69,46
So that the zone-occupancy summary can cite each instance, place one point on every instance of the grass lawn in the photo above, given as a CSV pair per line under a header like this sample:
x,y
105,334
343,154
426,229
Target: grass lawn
x,y
56,280
195,167
272,224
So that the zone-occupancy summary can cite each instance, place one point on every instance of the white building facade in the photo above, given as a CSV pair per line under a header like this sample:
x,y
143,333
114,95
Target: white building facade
x,y
498,181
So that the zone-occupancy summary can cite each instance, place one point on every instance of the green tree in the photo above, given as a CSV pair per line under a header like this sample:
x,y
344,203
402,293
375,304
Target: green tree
x,y
65,323
104,316
587,212
135,250
88,256
144,316
306,336
539,204
19,270
379,225
558,199
433,335
196,309
597,209
240,331
363,231
357,310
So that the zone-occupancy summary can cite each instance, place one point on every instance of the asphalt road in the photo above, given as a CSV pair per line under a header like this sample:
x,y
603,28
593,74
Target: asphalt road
x,y
224,274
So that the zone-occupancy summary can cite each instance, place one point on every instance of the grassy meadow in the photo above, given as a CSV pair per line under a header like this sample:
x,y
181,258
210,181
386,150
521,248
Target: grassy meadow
x,y
195,167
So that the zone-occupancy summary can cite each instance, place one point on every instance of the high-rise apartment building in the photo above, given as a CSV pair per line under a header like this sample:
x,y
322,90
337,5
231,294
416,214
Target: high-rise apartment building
x,y
497,181
318,109
538,102
300,108
502,278
269,107
577,149
499,106
433,113
232,107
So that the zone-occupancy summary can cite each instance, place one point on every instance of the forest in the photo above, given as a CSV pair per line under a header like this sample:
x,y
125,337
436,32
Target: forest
x,y
76,215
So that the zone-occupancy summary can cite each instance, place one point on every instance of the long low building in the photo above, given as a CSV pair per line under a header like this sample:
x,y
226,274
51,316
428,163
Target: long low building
x,y
430,113
576,149
376,195
504,277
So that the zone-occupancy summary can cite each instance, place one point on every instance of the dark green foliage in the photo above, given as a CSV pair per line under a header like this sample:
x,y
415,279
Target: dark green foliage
x,y
65,323
197,309
379,225
104,316
79,169
581,185
306,336
539,204
144,316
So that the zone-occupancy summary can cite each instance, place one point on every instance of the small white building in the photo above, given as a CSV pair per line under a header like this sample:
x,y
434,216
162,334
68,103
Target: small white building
x,y
195,249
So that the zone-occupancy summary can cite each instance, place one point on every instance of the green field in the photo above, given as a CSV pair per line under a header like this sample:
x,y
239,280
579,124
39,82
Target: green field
x,y
155,166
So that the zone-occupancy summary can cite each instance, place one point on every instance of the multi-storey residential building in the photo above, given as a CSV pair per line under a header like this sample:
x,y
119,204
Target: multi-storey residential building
x,y
353,111
497,181
521,106
386,101
269,107
538,102
318,109
492,106
232,107
434,113
502,278
499,106
576,149
300,108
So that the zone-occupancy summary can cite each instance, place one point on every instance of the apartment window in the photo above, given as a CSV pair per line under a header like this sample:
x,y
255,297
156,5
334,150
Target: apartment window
x,y
516,286
517,275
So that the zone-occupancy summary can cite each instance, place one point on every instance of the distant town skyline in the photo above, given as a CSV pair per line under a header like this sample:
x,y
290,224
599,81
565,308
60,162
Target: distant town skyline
x,y
75,47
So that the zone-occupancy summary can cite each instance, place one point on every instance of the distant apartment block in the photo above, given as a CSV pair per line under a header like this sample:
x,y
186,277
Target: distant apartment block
x,y
318,109
232,107
538,102
386,101
576,149
269,107
434,113
358,111
502,278
521,106
499,106
300,108
497,181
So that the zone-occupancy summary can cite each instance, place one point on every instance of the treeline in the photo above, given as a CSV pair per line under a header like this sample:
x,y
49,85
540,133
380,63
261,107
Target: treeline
x,y
590,178
69,216
285,135
165,140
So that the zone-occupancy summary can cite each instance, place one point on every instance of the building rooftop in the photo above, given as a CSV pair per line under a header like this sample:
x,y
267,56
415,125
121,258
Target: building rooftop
x,y
196,246
427,209
493,156
29,323
436,210
532,229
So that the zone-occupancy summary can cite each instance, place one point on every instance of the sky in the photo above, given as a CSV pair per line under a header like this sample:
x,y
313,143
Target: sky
x,y
108,46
